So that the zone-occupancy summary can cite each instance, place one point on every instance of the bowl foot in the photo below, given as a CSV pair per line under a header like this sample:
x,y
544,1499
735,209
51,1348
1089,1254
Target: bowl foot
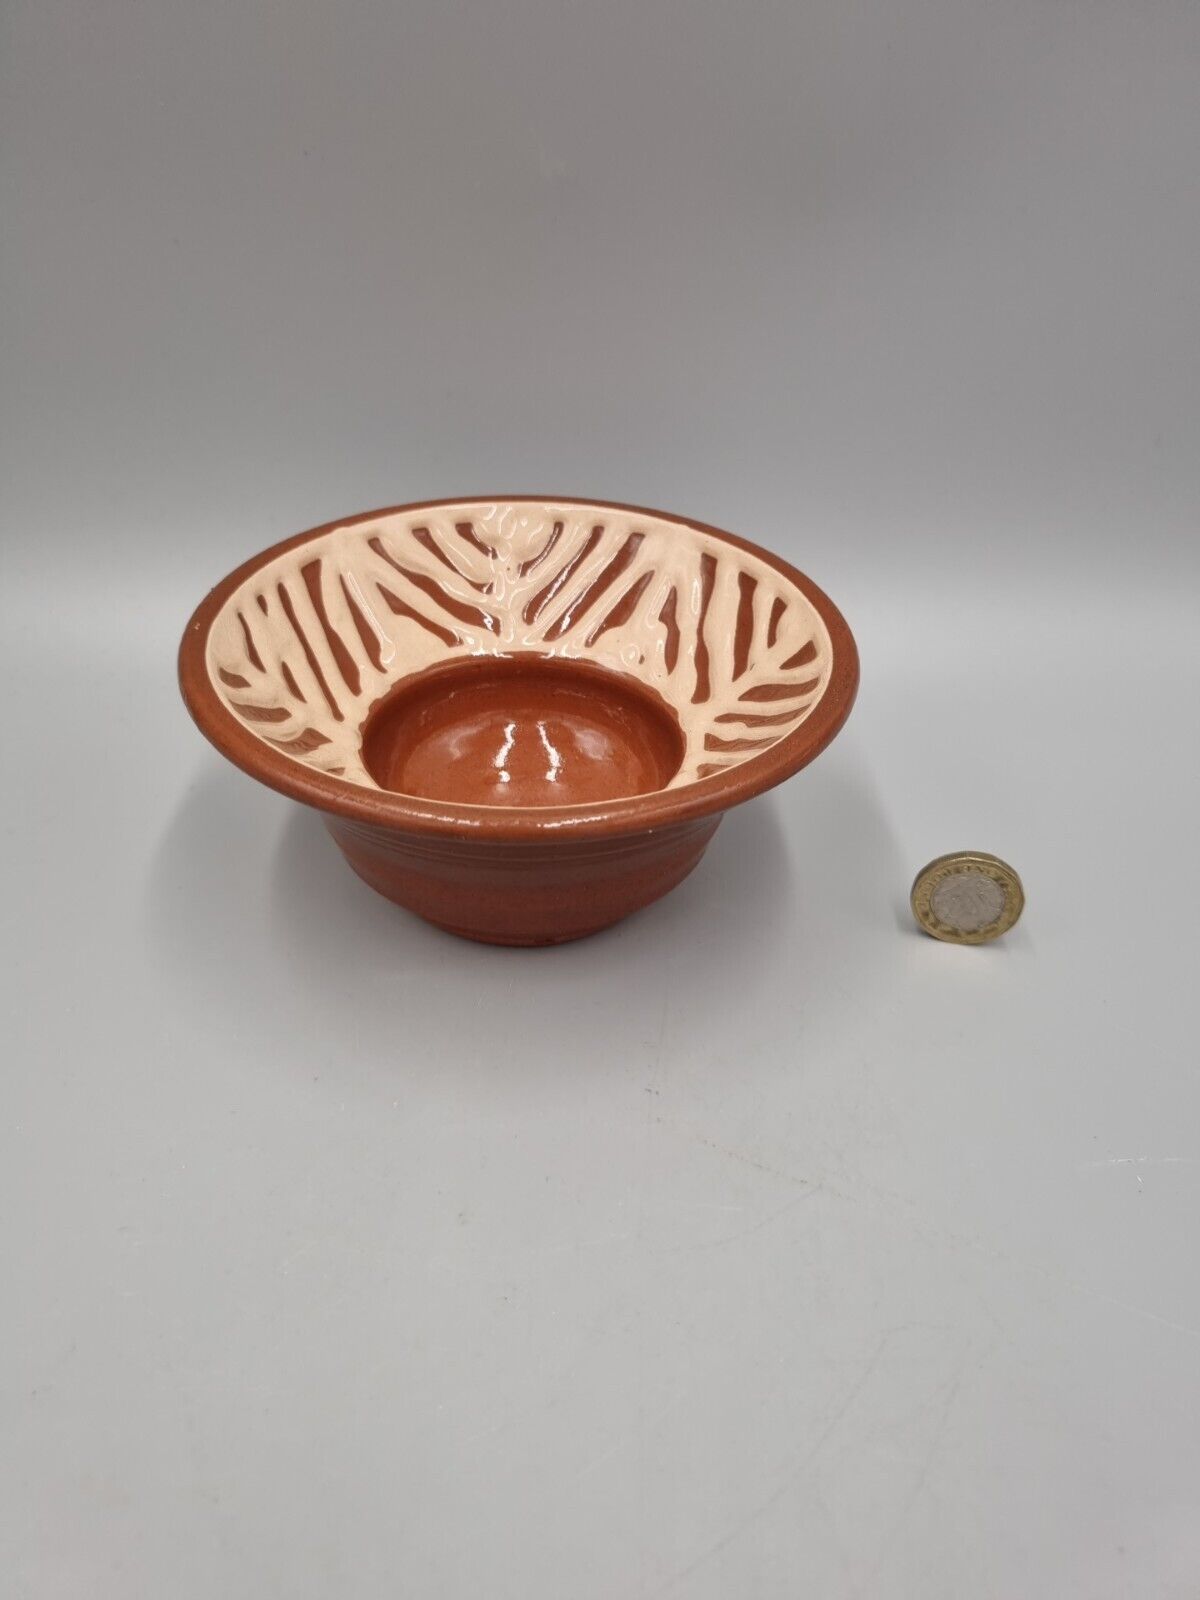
x,y
519,942
523,894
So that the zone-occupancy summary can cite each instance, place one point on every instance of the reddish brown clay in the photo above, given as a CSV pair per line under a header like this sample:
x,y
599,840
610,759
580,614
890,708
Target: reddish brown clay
x,y
523,893
521,731
522,719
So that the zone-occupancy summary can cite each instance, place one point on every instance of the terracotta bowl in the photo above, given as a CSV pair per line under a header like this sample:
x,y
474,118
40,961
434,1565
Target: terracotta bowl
x,y
521,719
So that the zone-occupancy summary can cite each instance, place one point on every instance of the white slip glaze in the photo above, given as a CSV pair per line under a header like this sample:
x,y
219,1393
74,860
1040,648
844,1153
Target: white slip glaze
x,y
578,594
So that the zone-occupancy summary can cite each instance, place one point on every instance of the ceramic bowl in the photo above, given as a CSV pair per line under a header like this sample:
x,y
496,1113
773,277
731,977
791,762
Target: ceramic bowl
x,y
523,718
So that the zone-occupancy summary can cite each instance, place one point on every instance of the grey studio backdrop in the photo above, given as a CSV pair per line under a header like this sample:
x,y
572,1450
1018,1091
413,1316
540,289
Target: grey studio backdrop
x,y
760,1247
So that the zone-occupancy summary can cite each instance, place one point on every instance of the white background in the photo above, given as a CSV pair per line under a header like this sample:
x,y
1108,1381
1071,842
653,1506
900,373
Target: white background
x,y
760,1248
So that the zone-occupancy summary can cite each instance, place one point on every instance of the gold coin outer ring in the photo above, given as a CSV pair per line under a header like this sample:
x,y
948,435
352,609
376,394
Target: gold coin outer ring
x,y
948,866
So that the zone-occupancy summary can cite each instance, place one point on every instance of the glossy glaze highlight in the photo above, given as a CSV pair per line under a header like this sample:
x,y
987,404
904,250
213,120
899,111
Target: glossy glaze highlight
x,y
521,731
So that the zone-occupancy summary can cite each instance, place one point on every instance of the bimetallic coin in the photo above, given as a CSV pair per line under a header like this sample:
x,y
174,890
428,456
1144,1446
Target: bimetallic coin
x,y
967,897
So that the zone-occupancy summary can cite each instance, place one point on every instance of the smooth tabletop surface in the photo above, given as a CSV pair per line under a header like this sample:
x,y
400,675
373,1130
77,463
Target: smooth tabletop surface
x,y
762,1246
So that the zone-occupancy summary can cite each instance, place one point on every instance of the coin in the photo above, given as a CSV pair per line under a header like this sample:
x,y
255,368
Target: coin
x,y
967,897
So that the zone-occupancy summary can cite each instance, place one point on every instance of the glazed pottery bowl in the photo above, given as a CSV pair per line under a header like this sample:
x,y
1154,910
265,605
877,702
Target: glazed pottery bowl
x,y
523,718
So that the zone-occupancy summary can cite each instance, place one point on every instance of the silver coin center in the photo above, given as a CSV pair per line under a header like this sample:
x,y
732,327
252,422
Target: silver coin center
x,y
967,901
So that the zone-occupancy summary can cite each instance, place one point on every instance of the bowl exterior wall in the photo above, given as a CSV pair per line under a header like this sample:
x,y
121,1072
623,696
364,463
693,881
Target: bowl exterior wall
x,y
523,893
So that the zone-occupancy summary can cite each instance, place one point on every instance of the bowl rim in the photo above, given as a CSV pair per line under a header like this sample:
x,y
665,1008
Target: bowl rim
x,y
410,814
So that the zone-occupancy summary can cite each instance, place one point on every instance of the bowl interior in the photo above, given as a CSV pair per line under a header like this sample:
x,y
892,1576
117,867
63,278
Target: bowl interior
x,y
615,651
522,730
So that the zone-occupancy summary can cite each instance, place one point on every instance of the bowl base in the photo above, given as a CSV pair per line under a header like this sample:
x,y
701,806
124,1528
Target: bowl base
x,y
515,942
